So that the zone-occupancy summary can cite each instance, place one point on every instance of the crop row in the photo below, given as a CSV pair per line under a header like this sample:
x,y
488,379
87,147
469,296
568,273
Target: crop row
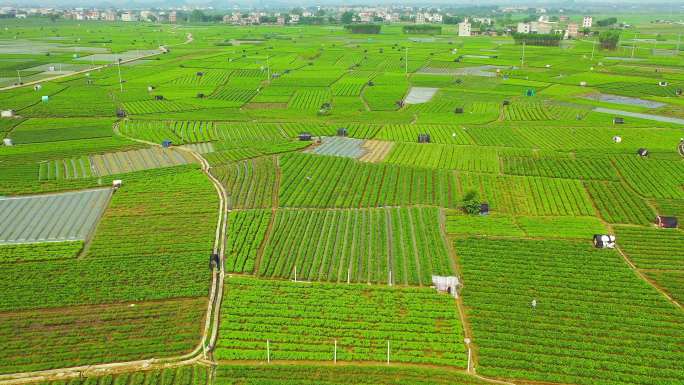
x,y
249,183
339,375
526,226
445,157
234,94
348,88
302,322
618,203
183,131
209,78
601,169
439,133
183,375
156,106
246,232
309,99
153,242
399,245
318,181
526,111
11,253
652,178
74,168
82,335
594,320
653,248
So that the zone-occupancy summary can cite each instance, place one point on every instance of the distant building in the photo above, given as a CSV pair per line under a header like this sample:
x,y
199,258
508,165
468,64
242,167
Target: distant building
x,y
544,27
365,17
483,20
587,22
294,18
172,17
464,28
420,18
129,16
524,28
563,19
573,30
543,19
109,16
147,15
280,20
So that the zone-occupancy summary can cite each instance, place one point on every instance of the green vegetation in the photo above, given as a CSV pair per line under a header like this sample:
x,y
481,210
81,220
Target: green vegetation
x,y
302,321
422,29
363,28
361,215
339,375
589,305
36,340
401,246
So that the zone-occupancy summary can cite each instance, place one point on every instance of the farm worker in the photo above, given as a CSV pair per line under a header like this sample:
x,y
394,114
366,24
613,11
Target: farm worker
x,y
534,304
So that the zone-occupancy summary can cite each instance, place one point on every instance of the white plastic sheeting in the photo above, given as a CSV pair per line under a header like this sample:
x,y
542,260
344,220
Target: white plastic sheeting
x,y
449,284
418,95
52,217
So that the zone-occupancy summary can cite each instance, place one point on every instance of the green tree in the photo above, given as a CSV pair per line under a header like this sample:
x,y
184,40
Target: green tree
x,y
606,22
471,203
609,39
197,16
347,17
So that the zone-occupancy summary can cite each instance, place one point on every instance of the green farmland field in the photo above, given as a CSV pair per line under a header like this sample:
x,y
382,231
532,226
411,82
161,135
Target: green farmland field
x,y
303,204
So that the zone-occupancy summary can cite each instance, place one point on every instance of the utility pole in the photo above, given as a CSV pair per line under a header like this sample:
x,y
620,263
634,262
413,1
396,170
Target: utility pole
x,y
634,43
335,354
19,75
118,66
268,351
268,71
522,60
593,48
388,352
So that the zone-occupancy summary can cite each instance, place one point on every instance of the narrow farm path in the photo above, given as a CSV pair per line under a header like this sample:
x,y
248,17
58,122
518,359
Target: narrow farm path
x,y
201,353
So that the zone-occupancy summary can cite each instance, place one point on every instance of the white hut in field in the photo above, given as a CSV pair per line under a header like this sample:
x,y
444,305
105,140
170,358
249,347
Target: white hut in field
x,y
7,114
448,285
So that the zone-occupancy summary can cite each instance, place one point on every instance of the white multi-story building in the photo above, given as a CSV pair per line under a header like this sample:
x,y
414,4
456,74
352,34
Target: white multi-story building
x,y
294,18
129,16
464,28
420,18
172,17
587,22
147,15
524,28
365,17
